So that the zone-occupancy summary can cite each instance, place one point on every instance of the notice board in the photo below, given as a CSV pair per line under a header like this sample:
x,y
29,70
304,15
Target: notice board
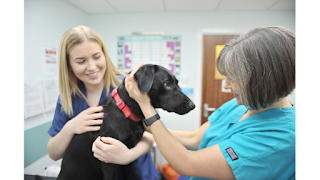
x,y
217,74
164,50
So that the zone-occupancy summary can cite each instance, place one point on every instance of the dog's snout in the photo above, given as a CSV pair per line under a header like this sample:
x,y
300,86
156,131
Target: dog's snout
x,y
191,105
184,107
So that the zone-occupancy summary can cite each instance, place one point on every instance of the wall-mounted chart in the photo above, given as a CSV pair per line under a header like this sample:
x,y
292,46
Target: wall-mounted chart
x,y
164,50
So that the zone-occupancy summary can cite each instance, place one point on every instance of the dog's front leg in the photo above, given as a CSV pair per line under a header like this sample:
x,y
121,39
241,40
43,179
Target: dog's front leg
x,y
109,171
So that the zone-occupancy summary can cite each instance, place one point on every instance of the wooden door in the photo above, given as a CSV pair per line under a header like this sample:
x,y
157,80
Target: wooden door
x,y
212,88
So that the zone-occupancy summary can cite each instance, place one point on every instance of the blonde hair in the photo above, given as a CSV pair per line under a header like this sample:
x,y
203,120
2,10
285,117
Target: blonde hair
x,y
68,82
262,63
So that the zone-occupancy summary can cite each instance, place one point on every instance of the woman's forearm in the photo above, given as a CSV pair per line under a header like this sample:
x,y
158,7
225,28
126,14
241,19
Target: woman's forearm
x,y
173,151
144,145
191,139
188,139
58,144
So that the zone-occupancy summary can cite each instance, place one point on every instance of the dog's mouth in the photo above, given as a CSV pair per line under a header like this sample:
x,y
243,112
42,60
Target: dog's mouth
x,y
184,107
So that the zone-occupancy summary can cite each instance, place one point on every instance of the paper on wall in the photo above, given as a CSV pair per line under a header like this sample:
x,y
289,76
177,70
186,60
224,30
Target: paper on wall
x,y
188,92
50,60
51,93
33,100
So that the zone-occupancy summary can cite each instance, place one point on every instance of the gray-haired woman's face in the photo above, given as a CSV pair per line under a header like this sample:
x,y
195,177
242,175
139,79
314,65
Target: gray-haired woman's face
x,y
233,86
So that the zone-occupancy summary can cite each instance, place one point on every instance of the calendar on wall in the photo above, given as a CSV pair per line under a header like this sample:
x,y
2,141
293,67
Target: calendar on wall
x,y
164,50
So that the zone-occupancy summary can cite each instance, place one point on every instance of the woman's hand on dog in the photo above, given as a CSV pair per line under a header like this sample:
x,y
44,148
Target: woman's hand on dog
x,y
132,88
141,98
88,120
110,150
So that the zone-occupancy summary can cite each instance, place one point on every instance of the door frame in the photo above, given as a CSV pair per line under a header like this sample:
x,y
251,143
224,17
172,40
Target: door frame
x,y
199,63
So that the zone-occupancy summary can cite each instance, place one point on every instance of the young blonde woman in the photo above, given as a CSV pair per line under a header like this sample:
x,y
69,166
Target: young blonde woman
x,y
86,76
253,135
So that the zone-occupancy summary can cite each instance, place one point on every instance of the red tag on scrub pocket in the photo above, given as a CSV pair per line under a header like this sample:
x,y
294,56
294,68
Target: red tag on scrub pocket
x,y
232,154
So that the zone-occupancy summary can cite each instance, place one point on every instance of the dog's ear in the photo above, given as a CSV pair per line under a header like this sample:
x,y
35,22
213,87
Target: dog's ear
x,y
144,77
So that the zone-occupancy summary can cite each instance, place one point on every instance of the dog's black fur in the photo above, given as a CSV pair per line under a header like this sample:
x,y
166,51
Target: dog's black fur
x,y
162,87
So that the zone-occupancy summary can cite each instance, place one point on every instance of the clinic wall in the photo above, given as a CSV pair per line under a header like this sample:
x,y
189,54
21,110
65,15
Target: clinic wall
x,y
44,23
187,25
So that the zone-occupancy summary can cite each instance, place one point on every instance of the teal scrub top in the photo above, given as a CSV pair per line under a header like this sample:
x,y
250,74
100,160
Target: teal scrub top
x,y
261,146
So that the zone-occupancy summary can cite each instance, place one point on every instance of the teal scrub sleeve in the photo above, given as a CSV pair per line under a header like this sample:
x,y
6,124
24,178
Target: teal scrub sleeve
x,y
269,155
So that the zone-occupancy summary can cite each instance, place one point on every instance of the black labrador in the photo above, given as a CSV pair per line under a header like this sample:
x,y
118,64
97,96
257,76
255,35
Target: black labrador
x,y
162,87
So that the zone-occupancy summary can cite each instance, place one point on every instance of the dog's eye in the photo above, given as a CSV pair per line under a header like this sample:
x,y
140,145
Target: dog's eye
x,y
167,84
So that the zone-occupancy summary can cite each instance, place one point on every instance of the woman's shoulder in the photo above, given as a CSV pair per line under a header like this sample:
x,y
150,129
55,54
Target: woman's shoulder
x,y
59,100
280,118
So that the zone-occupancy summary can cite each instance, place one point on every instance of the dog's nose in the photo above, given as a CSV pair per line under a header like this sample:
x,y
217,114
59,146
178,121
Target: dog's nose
x,y
191,105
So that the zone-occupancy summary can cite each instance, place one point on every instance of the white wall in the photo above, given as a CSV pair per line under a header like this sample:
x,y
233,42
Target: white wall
x,y
46,21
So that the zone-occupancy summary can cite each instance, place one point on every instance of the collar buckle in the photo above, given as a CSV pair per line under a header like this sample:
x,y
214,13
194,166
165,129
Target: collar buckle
x,y
120,104
123,107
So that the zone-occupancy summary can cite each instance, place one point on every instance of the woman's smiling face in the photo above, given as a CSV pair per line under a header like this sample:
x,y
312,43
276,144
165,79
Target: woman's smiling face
x,y
88,63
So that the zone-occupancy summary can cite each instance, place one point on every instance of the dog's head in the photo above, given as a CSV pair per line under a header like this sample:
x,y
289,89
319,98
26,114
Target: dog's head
x,y
163,89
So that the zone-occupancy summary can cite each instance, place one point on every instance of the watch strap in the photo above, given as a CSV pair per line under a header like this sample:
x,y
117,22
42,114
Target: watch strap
x,y
151,120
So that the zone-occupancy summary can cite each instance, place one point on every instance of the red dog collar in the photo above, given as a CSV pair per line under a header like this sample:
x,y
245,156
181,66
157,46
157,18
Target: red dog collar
x,y
122,106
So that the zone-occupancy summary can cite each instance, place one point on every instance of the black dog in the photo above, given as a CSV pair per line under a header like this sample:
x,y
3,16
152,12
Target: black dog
x,y
162,87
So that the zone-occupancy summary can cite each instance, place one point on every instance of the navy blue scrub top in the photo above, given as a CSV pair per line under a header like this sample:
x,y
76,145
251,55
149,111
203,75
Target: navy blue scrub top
x,y
143,166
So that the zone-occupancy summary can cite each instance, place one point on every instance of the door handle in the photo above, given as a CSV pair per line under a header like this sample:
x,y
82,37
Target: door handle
x,y
206,109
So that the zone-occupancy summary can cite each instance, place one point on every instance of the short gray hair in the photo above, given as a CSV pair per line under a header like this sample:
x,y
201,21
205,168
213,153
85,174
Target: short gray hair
x,y
262,62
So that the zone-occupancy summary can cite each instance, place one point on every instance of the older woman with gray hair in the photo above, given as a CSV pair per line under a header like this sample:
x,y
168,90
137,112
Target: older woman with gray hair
x,y
253,135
